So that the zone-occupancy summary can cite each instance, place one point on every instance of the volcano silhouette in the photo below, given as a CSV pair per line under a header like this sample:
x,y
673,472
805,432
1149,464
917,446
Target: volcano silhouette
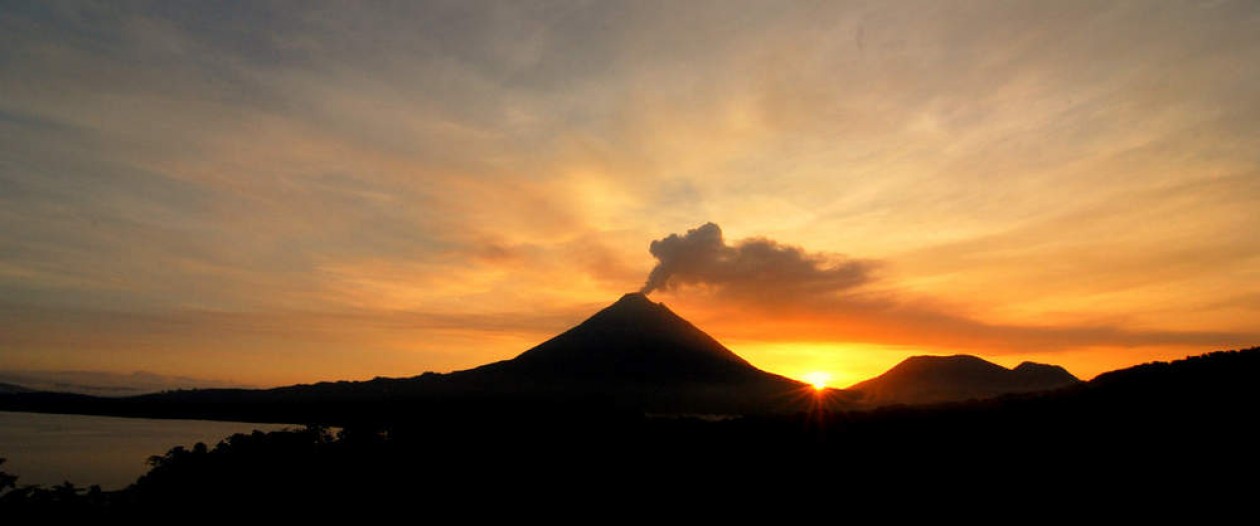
x,y
633,340
638,354
633,356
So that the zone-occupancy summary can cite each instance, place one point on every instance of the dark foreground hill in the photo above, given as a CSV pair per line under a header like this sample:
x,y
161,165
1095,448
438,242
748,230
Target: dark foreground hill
x,y
1145,441
937,379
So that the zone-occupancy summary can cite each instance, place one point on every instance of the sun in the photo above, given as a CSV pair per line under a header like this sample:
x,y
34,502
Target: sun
x,y
818,379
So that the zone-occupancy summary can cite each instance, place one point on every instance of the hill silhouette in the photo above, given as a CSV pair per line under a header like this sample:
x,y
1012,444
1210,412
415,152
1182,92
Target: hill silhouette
x,y
937,379
11,388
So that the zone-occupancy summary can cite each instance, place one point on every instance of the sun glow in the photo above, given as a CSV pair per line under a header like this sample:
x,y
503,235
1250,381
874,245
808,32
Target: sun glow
x,y
818,379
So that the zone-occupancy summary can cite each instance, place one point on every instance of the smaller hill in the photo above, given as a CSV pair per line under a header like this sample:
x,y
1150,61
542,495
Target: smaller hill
x,y
10,388
938,379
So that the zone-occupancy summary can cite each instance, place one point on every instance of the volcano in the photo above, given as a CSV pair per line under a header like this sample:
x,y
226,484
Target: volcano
x,y
632,341
638,354
633,356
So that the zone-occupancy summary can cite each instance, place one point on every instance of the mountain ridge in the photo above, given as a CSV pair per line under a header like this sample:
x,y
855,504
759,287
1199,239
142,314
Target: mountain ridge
x,y
634,355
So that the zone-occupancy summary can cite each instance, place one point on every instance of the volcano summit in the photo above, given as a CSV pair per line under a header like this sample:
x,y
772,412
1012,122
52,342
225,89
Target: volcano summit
x,y
637,354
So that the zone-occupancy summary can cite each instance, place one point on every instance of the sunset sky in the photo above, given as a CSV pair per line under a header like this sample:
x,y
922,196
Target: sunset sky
x,y
271,193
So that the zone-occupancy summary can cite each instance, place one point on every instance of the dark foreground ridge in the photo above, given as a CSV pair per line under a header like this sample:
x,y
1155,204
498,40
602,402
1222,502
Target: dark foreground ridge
x,y
1152,439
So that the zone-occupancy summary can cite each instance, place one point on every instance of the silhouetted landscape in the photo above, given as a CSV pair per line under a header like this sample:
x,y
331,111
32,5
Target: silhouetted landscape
x,y
636,409
891,262
634,356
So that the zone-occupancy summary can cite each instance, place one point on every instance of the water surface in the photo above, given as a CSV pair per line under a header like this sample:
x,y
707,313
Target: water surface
x,y
50,449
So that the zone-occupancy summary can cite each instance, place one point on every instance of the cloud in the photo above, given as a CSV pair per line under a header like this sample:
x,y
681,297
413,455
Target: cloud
x,y
444,158
756,287
345,344
762,266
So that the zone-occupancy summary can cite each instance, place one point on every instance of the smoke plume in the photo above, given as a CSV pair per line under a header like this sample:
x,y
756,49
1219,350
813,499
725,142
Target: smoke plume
x,y
702,257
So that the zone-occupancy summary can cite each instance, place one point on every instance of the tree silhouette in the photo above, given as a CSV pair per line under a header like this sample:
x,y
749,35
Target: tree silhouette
x,y
7,481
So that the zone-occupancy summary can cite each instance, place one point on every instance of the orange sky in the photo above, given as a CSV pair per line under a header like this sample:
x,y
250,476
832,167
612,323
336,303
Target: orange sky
x,y
266,195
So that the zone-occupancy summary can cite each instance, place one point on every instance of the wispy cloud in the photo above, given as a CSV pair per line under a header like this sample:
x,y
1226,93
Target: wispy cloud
x,y
1033,164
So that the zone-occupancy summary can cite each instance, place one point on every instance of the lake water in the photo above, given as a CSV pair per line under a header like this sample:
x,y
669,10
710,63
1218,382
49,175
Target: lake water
x,y
50,449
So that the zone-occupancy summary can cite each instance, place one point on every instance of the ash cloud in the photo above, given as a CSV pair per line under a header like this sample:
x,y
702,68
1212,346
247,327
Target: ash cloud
x,y
804,291
702,257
